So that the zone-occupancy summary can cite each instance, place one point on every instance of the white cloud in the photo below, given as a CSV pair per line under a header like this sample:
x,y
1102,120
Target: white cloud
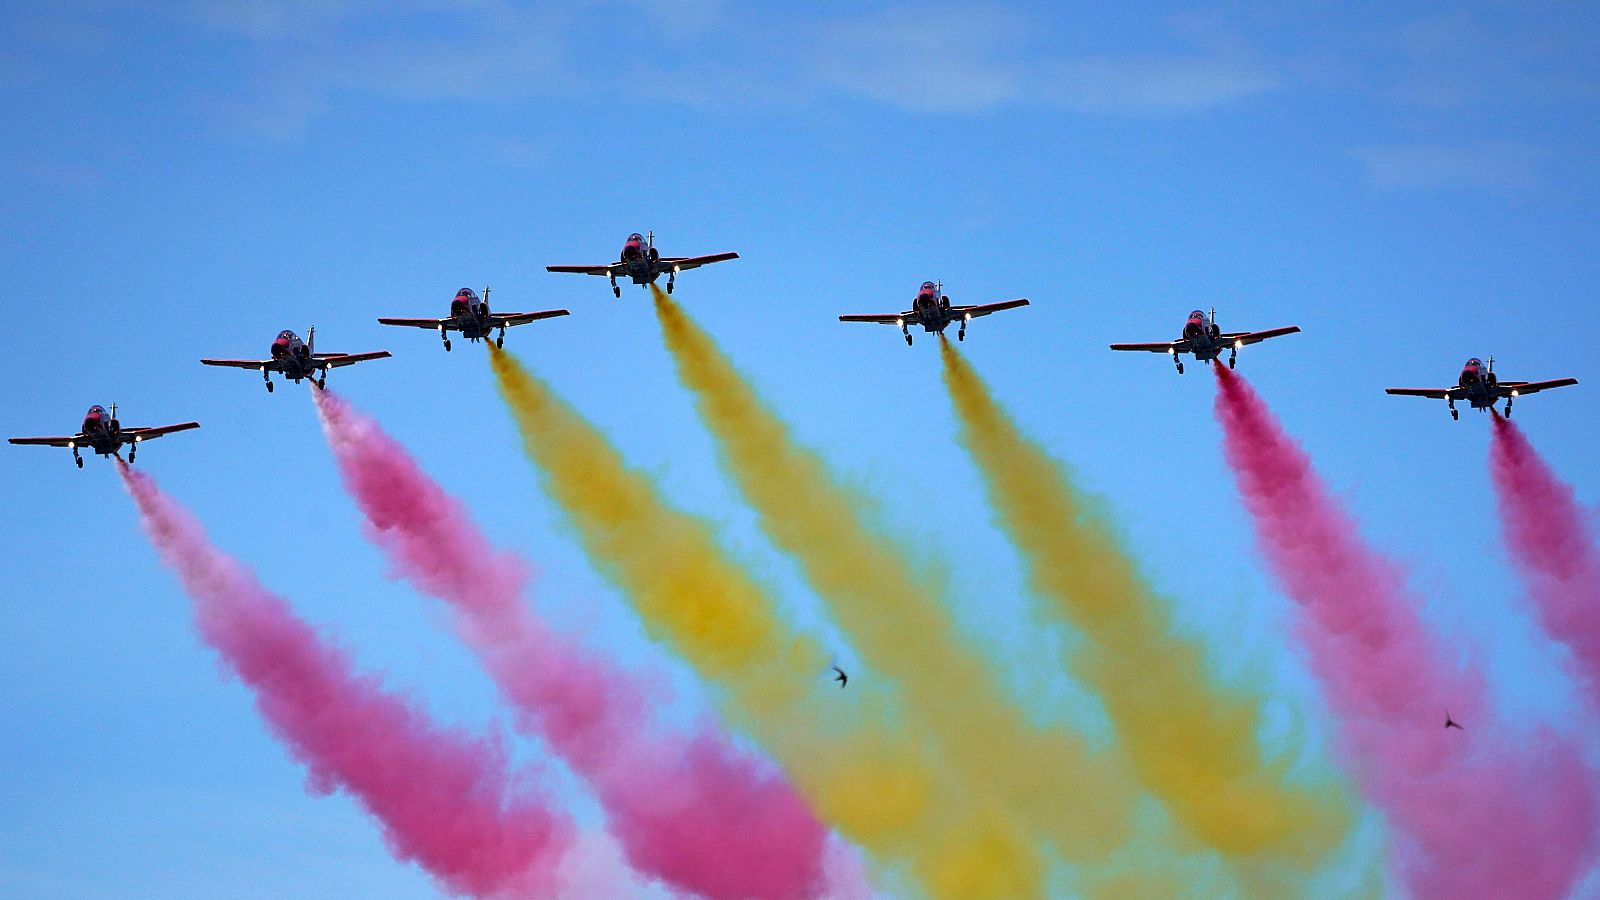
x,y
1497,167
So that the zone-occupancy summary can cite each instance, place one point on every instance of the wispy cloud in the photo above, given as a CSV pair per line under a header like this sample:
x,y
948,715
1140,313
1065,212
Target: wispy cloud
x,y
1496,167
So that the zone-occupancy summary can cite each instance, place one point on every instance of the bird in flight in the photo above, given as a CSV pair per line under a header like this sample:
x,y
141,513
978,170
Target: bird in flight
x,y
1451,723
841,677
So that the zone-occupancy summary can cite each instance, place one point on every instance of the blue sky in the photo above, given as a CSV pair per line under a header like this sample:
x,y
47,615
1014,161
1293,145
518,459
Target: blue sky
x,y
1410,187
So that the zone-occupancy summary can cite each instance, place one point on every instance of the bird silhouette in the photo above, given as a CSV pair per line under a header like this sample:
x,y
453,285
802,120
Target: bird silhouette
x,y
842,678
1451,723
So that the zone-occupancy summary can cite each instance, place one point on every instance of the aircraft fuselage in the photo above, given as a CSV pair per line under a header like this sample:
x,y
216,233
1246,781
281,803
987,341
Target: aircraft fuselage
x,y
1204,337
294,356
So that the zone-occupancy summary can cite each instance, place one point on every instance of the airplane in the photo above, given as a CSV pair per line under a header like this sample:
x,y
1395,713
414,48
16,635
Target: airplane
x,y
295,359
102,433
472,318
641,262
1479,386
932,310
1203,338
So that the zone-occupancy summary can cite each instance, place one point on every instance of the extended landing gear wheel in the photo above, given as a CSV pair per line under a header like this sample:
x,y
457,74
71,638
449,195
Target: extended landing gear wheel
x,y
269,387
132,452
1455,415
961,335
908,340
1180,368
447,346
1232,358
500,342
1508,409
616,290
322,383
79,461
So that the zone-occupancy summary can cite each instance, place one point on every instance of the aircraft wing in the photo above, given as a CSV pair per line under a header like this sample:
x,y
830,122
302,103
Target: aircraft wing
x,y
258,364
983,309
1256,337
1525,387
1435,393
588,270
145,434
1163,347
335,360
524,318
682,263
50,441
430,324
884,319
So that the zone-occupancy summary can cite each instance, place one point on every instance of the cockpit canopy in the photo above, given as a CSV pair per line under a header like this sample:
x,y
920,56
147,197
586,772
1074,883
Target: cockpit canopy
x,y
466,294
1198,314
286,335
636,236
1474,363
96,411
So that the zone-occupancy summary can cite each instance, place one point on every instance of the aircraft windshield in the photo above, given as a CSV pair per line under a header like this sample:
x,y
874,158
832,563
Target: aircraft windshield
x,y
636,236
1198,314
465,292
1474,361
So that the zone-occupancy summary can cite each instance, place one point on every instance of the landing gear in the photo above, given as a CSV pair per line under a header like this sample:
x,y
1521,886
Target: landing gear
x,y
614,289
1455,414
269,386
322,383
76,458
1233,357
907,332
962,334
1508,407
1177,362
445,338
133,450
447,345
671,276
500,339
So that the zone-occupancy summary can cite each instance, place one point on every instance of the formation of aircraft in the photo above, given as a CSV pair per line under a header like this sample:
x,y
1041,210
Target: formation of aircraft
x,y
933,311
471,316
295,359
641,262
102,433
1203,338
1478,385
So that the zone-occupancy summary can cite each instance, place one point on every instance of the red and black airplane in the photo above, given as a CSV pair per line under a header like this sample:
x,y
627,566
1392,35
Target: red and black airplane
x,y
1479,386
932,310
644,264
472,318
102,433
1206,340
295,359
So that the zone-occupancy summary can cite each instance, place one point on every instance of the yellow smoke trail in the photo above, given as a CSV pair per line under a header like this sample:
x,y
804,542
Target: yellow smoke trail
x,y
1048,778
858,770
1192,740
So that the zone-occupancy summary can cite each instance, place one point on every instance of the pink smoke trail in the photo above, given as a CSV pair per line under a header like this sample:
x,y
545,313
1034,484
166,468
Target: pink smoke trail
x,y
1552,541
698,813
445,801
1473,814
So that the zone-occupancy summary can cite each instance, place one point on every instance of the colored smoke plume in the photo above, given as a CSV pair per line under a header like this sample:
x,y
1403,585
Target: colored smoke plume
x,y
1474,814
696,812
1080,800
444,801
861,772
1552,540
1193,741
